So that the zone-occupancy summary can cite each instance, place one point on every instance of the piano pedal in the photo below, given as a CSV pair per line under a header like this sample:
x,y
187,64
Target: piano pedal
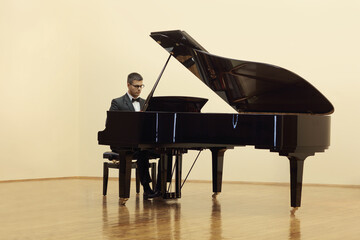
x,y
171,195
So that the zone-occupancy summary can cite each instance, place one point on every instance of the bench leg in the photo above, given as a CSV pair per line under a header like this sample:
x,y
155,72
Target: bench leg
x,y
137,177
105,178
124,176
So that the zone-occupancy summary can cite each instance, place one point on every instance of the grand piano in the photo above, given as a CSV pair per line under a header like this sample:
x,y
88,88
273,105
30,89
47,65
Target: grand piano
x,y
276,110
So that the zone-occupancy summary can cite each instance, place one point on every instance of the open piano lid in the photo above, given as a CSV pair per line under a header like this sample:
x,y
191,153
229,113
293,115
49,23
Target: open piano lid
x,y
246,86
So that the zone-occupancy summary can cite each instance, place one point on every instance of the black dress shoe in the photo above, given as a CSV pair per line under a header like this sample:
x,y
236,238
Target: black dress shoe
x,y
148,193
155,194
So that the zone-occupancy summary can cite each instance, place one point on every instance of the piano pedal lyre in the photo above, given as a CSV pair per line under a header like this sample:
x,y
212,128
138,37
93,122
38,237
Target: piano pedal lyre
x,y
170,170
170,195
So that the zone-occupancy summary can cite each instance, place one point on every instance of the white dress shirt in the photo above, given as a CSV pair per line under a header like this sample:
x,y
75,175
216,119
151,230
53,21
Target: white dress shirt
x,y
136,104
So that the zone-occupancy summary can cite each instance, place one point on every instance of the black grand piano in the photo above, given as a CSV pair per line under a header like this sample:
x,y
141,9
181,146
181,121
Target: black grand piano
x,y
276,110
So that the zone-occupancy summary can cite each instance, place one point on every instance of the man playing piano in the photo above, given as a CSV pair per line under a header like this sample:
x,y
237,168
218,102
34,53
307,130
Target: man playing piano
x,y
131,102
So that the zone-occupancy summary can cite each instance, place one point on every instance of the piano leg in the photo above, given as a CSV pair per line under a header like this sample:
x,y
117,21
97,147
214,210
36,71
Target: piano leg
x,y
163,162
296,176
217,168
178,167
125,162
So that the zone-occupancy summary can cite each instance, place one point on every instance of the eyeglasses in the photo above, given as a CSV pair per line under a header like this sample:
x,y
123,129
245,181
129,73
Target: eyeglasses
x,y
138,86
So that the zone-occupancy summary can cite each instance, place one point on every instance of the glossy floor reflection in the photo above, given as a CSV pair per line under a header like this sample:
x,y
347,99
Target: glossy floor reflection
x,y
75,209
158,219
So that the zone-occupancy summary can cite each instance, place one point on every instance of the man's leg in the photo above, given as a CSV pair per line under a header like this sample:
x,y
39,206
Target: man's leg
x,y
143,167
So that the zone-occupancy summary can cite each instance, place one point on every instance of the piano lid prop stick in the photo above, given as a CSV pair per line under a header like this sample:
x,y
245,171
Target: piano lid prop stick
x,y
154,87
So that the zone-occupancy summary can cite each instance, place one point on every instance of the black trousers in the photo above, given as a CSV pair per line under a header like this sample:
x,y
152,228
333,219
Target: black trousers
x,y
142,158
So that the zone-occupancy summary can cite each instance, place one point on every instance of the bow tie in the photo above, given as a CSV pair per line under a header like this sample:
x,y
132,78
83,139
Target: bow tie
x,y
135,100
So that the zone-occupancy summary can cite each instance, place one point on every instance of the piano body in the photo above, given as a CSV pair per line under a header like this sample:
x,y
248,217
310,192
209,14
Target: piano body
x,y
276,110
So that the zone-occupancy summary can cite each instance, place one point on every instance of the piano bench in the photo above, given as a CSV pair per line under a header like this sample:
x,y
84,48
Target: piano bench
x,y
115,158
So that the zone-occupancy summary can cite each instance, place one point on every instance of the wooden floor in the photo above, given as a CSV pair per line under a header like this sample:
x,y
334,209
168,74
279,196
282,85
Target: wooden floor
x,y
76,209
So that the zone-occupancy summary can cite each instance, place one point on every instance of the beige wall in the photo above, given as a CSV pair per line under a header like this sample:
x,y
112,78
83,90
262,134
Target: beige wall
x,y
39,90
63,62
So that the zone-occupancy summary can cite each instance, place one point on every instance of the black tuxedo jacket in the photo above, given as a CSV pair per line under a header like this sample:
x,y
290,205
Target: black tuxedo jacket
x,y
124,104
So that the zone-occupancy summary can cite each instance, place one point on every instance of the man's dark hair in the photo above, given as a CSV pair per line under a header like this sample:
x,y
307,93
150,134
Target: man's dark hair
x,y
134,76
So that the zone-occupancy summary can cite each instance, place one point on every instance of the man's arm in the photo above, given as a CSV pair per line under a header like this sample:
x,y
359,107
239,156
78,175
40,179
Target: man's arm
x,y
122,104
114,106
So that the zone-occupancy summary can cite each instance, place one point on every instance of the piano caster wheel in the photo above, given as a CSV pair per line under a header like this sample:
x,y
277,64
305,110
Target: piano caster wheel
x,y
293,210
215,194
123,201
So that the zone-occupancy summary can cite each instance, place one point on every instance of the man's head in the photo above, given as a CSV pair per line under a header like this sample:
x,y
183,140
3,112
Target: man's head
x,y
135,84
